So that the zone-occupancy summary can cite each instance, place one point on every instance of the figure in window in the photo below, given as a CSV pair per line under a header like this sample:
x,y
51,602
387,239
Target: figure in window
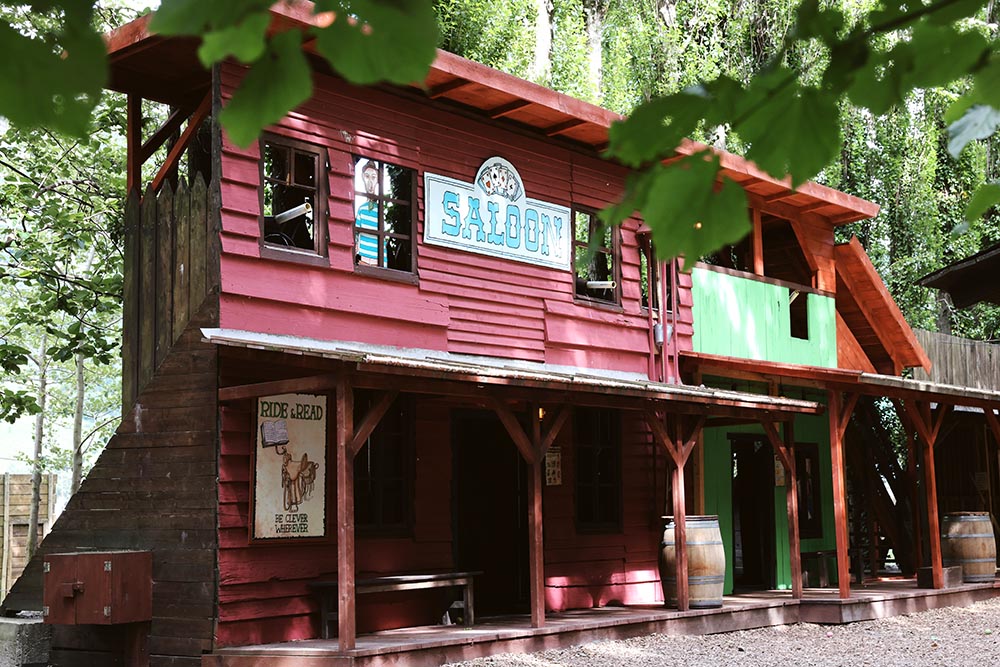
x,y
366,215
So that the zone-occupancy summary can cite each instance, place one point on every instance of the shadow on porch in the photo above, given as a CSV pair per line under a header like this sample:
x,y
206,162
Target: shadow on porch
x,y
435,645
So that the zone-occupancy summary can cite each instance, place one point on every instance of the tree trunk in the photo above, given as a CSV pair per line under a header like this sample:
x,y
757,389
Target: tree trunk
x,y
36,470
594,12
78,426
539,70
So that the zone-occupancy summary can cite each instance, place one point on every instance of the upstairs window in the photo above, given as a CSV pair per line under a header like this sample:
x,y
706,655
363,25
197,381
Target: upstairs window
x,y
597,274
597,438
384,215
293,196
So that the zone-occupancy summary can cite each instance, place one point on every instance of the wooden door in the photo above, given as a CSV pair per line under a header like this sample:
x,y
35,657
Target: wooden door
x,y
490,512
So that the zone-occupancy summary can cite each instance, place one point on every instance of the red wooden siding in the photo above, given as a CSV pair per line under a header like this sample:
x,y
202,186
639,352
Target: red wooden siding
x,y
464,302
263,594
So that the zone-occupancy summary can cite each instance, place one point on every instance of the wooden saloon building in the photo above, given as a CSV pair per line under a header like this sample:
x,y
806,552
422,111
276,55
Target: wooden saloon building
x,y
360,362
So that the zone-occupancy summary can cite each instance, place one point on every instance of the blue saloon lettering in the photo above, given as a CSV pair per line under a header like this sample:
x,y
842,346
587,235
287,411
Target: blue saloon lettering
x,y
492,216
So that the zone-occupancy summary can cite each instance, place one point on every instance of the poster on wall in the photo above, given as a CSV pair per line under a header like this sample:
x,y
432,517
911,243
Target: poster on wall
x,y
290,467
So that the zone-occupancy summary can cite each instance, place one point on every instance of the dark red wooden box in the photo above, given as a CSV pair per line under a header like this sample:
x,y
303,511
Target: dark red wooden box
x,y
100,588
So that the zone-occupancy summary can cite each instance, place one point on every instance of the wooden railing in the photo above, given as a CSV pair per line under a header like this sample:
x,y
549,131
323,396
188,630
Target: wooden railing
x,y
959,361
171,266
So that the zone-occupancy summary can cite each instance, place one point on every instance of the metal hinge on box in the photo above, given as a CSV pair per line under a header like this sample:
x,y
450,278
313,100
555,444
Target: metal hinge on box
x,y
107,566
45,609
46,566
107,612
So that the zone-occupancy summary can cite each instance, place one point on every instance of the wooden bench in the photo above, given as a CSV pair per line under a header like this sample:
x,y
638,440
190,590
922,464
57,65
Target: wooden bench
x,y
327,592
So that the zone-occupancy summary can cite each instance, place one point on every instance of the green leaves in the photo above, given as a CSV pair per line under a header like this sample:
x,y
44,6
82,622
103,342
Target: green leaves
x,y
690,215
366,41
794,130
987,196
978,122
53,78
275,85
379,40
245,41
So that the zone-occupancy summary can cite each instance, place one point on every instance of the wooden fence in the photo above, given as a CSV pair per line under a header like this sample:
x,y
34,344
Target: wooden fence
x,y
960,361
171,265
15,512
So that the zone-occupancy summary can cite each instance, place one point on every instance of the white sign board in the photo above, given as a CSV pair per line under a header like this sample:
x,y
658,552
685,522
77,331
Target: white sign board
x,y
290,469
492,216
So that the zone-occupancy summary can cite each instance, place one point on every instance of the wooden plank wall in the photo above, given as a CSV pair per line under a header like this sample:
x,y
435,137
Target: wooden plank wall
x,y
464,302
263,588
153,488
959,361
15,513
169,258
263,594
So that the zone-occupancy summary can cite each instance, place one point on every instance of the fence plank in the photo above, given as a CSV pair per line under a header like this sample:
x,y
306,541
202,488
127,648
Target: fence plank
x,y
164,274
182,259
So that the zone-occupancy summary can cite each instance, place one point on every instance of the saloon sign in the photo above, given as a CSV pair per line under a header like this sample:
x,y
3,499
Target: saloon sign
x,y
492,216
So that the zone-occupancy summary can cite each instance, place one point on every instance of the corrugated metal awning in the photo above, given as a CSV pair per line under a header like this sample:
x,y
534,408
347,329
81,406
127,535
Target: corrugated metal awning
x,y
508,372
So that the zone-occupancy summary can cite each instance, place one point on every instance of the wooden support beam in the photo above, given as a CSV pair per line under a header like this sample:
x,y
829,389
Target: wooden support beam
x,y
303,385
133,163
758,243
660,434
679,443
507,109
680,539
560,128
194,122
445,88
928,426
162,133
514,429
536,548
838,425
347,629
370,421
553,432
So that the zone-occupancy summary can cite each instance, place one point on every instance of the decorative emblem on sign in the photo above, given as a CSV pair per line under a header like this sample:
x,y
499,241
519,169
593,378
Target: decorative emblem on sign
x,y
492,216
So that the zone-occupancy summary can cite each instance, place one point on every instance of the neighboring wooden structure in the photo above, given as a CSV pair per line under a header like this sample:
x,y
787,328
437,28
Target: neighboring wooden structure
x,y
15,512
360,349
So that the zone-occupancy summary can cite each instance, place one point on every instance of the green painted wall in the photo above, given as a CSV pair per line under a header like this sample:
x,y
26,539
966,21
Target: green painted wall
x,y
749,319
718,489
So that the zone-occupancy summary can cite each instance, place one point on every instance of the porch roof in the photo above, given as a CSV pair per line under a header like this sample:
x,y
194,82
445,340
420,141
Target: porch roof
x,y
871,384
513,373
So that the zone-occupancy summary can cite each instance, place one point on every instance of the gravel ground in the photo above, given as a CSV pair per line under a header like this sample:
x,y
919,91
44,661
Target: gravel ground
x,y
952,637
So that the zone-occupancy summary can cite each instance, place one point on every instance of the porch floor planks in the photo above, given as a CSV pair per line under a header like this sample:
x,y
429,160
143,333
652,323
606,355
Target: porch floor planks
x,y
438,644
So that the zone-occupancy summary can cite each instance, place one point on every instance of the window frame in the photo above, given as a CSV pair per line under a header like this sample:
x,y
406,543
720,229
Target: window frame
x,y
584,441
385,272
407,452
614,252
319,256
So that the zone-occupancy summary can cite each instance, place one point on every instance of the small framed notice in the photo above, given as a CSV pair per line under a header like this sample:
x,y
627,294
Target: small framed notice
x,y
553,467
289,485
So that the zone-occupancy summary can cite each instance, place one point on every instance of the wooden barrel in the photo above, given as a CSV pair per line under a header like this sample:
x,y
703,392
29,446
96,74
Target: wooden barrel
x,y
967,540
706,562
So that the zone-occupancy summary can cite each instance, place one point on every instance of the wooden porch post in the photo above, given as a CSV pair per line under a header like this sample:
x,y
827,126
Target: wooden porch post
x,y
678,446
133,161
346,631
786,452
928,427
533,451
840,413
